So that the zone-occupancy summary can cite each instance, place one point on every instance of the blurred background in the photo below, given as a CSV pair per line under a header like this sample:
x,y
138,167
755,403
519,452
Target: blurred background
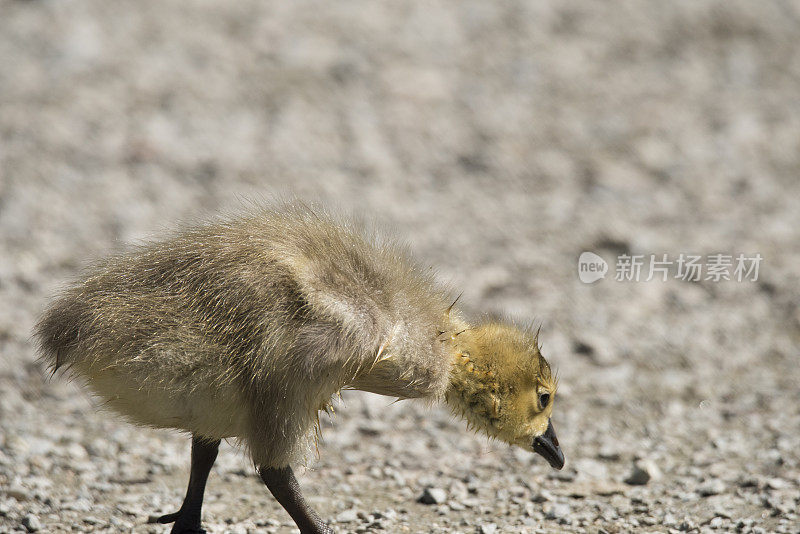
x,y
500,140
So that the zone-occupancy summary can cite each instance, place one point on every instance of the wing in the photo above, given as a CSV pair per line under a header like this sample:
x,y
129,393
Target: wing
x,y
380,315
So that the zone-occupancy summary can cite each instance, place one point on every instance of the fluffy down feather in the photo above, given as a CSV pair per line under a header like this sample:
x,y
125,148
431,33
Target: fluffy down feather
x,y
248,326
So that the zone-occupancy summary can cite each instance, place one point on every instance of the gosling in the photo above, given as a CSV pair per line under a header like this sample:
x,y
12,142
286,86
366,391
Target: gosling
x,y
247,327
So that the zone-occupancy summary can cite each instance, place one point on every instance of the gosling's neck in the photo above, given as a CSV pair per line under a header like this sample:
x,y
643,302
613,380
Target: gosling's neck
x,y
473,392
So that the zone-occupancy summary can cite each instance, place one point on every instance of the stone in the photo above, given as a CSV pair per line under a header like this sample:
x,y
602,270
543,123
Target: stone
x,y
609,453
18,492
542,496
433,496
31,523
643,472
711,487
347,516
776,483
558,511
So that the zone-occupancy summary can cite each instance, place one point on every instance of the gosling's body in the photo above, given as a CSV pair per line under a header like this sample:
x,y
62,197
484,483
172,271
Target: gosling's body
x,y
246,329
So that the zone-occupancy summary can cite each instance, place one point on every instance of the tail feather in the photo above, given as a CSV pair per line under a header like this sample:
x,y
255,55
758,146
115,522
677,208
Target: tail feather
x,y
58,332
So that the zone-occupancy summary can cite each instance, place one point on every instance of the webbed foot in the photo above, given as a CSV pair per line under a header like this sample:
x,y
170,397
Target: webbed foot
x,y
168,518
179,527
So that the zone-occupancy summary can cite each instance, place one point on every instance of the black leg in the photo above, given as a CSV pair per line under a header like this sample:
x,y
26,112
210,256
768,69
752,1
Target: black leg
x,y
284,487
187,519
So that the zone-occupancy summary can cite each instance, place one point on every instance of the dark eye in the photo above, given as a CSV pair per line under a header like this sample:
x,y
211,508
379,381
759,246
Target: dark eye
x,y
544,400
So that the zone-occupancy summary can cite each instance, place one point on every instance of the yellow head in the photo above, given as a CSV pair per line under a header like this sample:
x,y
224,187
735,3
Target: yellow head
x,y
502,385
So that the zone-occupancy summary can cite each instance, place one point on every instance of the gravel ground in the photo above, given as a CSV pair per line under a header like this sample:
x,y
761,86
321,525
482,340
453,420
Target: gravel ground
x,y
500,139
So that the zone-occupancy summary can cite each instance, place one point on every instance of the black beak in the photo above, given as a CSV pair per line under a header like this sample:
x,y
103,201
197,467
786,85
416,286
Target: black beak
x,y
547,446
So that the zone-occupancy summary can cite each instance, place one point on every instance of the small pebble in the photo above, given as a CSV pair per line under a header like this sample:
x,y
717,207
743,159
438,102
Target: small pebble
x,y
558,511
542,496
776,483
347,516
18,492
642,473
31,523
433,496
712,487
609,454
566,475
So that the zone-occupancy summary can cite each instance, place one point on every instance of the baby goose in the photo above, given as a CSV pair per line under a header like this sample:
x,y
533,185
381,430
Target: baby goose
x,y
246,328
